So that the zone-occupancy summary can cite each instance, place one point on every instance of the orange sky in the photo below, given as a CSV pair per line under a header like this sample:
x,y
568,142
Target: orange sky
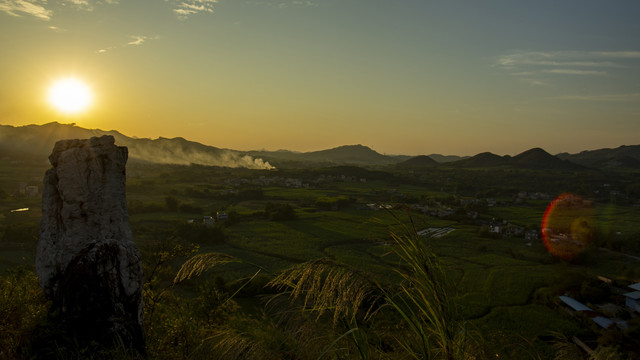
x,y
409,77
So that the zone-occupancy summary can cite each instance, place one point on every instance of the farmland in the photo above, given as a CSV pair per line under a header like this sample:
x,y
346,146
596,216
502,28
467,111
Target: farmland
x,y
504,285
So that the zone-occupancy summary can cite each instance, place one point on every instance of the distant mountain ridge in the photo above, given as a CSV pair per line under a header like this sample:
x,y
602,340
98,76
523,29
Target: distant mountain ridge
x,y
622,156
36,142
341,155
420,161
535,158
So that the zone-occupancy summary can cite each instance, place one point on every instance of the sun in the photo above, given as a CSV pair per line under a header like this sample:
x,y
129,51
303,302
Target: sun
x,y
70,96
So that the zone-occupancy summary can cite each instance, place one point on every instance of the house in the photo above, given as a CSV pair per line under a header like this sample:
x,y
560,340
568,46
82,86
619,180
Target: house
x,y
208,221
577,306
514,230
532,234
633,298
31,191
222,215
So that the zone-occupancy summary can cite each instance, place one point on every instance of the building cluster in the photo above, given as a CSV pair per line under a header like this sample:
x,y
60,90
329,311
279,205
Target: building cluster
x,y
210,221
25,190
290,182
632,303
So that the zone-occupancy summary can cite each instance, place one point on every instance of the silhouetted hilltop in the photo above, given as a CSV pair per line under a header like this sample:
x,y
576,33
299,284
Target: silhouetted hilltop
x,y
34,142
342,155
482,160
537,158
620,157
446,158
421,161
353,154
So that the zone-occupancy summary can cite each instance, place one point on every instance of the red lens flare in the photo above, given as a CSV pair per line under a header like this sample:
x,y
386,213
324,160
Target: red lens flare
x,y
568,226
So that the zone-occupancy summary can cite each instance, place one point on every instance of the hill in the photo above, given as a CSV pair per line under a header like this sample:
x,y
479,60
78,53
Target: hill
x,y
35,142
350,154
482,160
620,157
421,161
535,159
343,155
446,158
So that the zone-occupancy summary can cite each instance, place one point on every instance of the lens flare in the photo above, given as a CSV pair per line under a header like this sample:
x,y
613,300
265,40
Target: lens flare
x,y
568,226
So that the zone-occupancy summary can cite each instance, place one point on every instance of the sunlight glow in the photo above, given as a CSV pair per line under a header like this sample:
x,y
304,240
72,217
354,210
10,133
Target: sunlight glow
x,y
70,95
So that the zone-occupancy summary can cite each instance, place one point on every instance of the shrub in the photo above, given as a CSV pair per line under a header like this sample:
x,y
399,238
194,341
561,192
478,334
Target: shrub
x,y
279,212
22,306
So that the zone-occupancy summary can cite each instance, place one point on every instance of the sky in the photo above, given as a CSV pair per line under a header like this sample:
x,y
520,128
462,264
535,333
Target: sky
x,y
400,76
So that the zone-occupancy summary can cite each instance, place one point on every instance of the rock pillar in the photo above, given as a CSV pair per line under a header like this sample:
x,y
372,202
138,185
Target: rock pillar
x,y
86,260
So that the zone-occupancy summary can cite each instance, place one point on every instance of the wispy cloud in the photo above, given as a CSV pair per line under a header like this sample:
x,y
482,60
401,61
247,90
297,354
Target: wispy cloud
x,y
633,97
619,54
534,81
137,40
565,58
79,4
32,7
104,50
42,9
574,72
184,9
542,67
283,4
286,4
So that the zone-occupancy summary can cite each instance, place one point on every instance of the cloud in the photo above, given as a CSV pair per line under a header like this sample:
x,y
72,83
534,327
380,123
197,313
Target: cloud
x,y
184,9
574,72
619,54
564,58
633,97
283,4
536,82
540,67
41,8
102,51
29,7
80,4
137,40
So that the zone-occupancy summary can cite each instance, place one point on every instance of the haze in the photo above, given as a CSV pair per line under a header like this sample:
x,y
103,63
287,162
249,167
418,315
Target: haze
x,y
403,77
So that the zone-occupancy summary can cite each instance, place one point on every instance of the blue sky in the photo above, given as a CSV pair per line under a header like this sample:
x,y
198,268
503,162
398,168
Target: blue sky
x,y
410,77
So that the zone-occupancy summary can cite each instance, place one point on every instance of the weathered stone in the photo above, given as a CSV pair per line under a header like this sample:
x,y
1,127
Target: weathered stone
x,y
86,260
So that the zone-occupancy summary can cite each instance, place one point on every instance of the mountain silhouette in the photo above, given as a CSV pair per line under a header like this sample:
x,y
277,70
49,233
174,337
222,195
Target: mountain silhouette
x,y
421,161
341,155
482,160
621,157
35,142
537,158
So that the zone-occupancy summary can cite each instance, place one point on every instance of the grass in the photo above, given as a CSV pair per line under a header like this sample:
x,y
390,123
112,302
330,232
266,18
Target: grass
x,y
494,278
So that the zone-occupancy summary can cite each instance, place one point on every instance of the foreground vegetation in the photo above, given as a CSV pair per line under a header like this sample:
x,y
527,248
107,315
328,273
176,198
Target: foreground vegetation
x,y
313,264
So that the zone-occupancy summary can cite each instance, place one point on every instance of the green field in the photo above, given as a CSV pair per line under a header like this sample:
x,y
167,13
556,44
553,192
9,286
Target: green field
x,y
496,281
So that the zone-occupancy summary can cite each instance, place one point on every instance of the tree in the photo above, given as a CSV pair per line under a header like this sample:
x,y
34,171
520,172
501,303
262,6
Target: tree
x,y
172,203
279,212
